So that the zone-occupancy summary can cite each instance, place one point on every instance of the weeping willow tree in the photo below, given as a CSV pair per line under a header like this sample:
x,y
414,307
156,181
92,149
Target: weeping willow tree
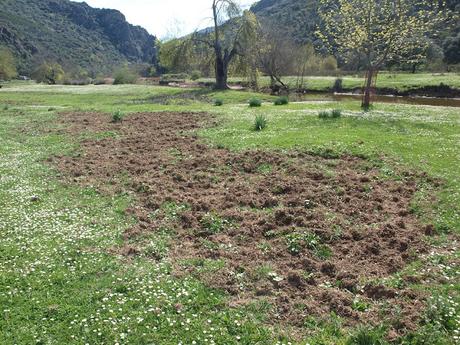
x,y
379,30
231,34
246,62
179,55
232,40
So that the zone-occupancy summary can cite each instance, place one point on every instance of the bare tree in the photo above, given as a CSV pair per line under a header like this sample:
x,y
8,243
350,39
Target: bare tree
x,y
275,54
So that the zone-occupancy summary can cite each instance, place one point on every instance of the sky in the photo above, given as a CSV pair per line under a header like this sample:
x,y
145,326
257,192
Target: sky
x,y
164,18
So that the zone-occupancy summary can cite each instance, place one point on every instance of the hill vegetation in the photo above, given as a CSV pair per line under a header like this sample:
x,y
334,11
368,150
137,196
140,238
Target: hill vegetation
x,y
78,37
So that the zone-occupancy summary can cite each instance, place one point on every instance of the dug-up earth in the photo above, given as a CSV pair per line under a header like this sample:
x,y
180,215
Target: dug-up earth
x,y
309,235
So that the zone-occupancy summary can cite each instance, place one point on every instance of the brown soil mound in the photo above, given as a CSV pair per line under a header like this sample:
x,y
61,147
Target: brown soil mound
x,y
310,235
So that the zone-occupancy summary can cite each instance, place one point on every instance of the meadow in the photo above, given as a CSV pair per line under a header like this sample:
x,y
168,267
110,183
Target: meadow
x,y
388,80
72,273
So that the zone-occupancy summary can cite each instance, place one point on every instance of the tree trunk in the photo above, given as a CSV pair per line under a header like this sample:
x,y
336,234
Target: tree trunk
x,y
221,73
368,89
221,61
254,77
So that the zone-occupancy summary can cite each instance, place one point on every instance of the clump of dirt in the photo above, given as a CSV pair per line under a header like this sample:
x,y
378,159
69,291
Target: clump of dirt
x,y
309,235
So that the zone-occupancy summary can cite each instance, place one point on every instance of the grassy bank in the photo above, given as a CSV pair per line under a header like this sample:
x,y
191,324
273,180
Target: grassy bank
x,y
397,81
62,282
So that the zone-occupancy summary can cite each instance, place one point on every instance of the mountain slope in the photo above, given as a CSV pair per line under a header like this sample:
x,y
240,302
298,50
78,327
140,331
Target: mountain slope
x,y
298,18
73,34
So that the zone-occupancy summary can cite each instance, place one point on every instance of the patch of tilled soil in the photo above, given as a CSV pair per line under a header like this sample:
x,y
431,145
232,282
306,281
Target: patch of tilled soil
x,y
183,98
310,235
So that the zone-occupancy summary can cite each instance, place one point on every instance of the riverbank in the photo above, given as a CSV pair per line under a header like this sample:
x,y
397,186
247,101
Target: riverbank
x,y
440,85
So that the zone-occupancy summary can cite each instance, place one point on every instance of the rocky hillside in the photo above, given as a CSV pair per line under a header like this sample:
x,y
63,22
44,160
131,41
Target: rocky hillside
x,y
73,34
298,18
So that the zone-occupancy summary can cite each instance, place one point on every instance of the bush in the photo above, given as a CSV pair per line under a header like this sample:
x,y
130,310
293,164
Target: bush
x,y
124,76
50,73
195,75
255,102
323,114
338,85
7,64
218,102
334,114
329,64
260,123
284,100
117,116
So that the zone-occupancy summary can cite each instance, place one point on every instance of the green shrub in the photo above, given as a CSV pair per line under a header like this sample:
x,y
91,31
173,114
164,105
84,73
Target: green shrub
x,y
7,64
5,107
284,100
49,73
255,102
117,116
124,76
334,114
218,102
323,114
260,123
195,75
338,85
329,64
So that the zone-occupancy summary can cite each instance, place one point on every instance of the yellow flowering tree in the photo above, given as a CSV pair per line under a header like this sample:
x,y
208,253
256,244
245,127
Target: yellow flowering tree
x,y
379,30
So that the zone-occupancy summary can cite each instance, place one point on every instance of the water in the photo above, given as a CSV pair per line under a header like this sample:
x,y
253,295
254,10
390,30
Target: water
x,y
443,102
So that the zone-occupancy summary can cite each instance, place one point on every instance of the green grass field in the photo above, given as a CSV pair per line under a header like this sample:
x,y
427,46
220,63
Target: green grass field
x,y
60,284
397,81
